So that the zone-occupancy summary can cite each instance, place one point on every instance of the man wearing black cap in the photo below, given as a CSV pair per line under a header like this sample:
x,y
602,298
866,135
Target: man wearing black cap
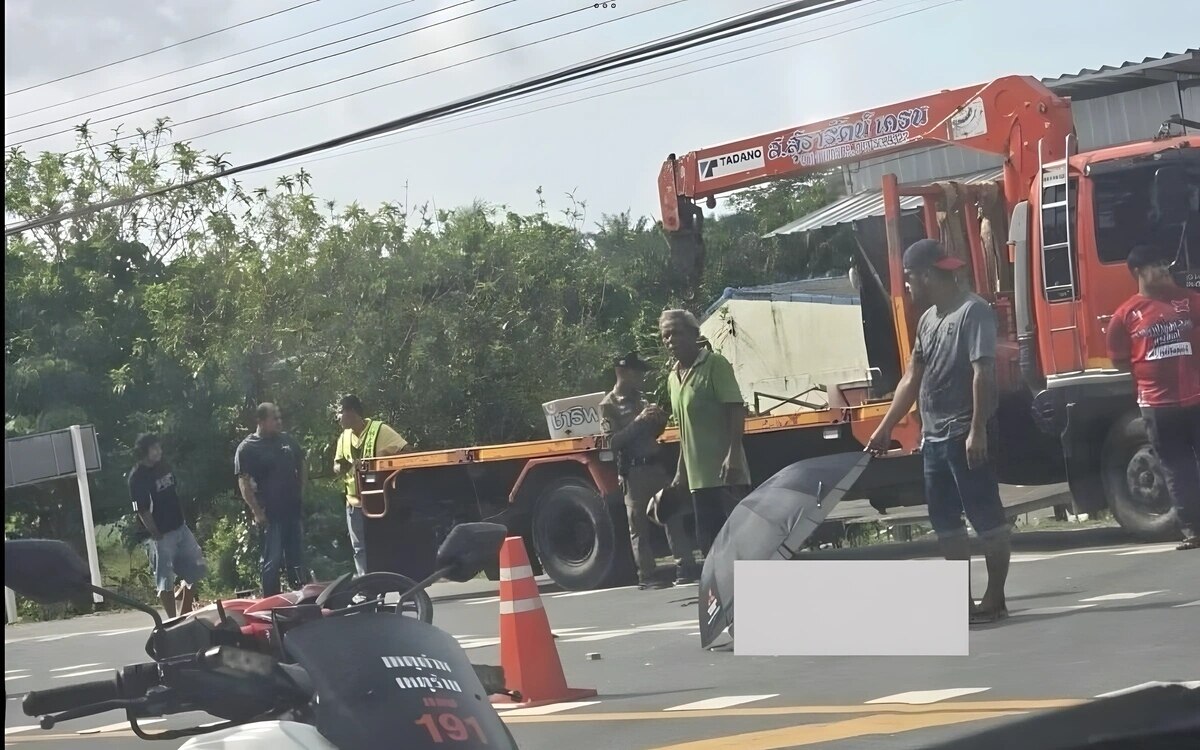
x,y
634,425
952,375
1156,334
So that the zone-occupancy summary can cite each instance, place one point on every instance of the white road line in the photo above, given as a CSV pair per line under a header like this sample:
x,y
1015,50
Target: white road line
x,y
1194,684
726,701
565,594
604,635
923,697
118,726
487,600
1052,610
84,673
1124,596
1026,558
18,730
1148,550
553,708
478,643
1189,604
9,678
78,666
111,633
15,671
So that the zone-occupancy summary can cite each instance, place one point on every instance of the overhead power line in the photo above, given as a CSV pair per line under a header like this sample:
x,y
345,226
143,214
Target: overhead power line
x,y
724,30
705,62
163,48
222,58
260,76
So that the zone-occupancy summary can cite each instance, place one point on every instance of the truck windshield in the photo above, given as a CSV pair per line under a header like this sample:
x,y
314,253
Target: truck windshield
x,y
1126,216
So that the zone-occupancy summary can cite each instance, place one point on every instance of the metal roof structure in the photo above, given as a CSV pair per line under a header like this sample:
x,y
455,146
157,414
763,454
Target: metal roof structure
x,y
869,203
829,290
1128,76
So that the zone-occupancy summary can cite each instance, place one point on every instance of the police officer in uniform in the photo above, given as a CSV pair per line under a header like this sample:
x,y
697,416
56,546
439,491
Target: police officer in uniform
x,y
633,426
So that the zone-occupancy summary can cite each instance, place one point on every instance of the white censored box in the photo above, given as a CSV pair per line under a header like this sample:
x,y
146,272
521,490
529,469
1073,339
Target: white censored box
x,y
851,607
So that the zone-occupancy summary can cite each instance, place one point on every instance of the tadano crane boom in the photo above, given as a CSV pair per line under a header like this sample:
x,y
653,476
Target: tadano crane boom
x,y
1010,116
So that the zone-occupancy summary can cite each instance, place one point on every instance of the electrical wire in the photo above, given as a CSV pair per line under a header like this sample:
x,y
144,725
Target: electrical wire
x,y
704,61
162,49
260,76
222,58
739,25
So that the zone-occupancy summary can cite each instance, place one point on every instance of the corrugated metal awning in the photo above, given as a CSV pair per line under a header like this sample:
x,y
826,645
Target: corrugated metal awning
x,y
867,204
1091,83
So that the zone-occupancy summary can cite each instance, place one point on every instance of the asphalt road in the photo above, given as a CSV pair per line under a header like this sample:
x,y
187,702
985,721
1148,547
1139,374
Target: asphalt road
x,y
1091,614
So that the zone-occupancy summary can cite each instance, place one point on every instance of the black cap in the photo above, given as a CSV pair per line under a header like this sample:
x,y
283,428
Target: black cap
x,y
926,254
1146,255
631,361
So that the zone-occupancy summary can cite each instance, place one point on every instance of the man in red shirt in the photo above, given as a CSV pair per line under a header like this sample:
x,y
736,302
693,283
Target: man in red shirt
x,y
1156,335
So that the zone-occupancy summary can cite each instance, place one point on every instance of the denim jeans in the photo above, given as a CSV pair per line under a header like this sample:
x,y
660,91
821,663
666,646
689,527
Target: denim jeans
x,y
953,489
282,551
358,539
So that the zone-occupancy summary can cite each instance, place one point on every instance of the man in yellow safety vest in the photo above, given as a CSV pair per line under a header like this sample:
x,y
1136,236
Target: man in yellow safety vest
x,y
361,438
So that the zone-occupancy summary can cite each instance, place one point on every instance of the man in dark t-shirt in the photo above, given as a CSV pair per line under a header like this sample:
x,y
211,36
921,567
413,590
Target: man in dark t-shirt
x,y
173,548
269,465
1155,335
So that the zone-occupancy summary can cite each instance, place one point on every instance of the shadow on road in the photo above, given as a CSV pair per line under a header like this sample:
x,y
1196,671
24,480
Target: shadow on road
x,y
1028,541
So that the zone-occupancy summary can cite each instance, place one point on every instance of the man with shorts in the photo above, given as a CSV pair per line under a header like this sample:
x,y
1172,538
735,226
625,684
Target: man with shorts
x,y
173,549
952,375
1155,335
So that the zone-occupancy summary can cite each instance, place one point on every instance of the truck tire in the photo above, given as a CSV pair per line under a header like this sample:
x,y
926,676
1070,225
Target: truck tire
x,y
581,539
1133,482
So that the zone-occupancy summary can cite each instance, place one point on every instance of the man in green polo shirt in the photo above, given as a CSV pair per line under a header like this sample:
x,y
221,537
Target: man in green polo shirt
x,y
360,438
708,406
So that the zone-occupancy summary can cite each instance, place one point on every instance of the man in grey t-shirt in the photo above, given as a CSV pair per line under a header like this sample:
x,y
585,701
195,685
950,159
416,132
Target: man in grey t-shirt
x,y
952,376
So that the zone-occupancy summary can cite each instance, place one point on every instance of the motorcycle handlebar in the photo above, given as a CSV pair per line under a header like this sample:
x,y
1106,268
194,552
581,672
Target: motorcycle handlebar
x,y
59,699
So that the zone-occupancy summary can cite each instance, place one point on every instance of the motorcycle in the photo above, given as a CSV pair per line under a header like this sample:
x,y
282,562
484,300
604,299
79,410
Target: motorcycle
x,y
341,678
250,623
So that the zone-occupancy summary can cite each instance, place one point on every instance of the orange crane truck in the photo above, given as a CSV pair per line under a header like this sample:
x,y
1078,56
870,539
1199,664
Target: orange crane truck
x,y
1064,413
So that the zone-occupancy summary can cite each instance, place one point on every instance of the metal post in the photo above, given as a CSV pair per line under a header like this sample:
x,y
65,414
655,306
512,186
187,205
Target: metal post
x,y
10,602
85,501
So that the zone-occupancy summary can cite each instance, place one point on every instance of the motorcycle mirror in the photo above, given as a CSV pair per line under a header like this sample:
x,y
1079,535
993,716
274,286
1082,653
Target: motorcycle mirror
x,y
469,548
45,570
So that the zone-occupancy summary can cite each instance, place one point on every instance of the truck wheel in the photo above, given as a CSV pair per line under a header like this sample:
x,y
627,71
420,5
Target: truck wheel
x,y
581,539
1133,482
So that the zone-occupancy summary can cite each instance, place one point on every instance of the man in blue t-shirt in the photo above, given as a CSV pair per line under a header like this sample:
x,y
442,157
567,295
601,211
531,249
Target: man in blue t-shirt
x,y
269,465
173,548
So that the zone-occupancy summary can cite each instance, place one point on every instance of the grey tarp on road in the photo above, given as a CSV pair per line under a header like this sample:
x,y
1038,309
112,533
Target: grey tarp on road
x,y
772,523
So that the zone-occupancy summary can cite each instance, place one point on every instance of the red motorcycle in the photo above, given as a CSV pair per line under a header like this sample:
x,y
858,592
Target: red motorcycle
x,y
251,623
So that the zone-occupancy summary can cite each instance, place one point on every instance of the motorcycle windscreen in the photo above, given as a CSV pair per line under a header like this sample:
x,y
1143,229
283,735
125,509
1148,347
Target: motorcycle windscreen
x,y
388,681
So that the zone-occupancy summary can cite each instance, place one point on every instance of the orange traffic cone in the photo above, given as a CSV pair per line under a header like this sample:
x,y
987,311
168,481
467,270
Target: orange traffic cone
x,y
527,651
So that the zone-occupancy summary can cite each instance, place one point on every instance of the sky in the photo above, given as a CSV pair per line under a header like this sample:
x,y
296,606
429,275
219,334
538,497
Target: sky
x,y
601,141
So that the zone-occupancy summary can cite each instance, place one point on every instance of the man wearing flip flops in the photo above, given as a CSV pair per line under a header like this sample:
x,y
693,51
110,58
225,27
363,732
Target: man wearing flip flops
x,y
952,375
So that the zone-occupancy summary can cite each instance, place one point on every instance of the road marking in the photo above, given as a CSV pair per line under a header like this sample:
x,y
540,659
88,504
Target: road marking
x,y
566,594
8,678
553,708
61,636
84,673
1193,685
111,633
118,726
891,708
18,730
727,701
811,734
603,635
478,643
1052,610
1026,558
485,600
923,697
1124,596
15,671
77,666
1189,604
1148,550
